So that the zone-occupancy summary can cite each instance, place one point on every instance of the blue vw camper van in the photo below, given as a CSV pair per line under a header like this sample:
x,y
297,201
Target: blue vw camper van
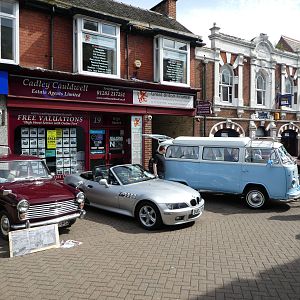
x,y
258,170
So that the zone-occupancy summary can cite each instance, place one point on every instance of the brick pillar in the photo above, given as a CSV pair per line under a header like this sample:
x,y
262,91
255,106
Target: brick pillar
x,y
147,142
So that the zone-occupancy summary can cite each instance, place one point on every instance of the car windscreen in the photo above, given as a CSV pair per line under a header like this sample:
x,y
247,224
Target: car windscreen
x,y
285,157
128,174
18,170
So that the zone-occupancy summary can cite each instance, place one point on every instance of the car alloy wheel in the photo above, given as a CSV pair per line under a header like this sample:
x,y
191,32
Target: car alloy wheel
x,y
149,216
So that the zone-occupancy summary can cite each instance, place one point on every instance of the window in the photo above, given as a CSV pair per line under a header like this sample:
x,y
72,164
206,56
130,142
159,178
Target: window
x,y
9,32
226,84
97,47
220,154
289,88
260,90
183,152
171,61
260,155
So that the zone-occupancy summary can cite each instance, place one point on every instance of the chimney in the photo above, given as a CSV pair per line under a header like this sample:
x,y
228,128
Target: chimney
x,y
166,7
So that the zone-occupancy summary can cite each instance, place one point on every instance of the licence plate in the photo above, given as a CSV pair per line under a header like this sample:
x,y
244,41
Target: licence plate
x,y
63,223
196,211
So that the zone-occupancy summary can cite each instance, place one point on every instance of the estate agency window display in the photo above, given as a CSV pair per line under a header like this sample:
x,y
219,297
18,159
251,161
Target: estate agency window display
x,y
57,146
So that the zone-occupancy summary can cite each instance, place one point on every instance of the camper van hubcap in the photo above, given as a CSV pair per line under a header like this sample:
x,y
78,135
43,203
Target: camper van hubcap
x,y
255,198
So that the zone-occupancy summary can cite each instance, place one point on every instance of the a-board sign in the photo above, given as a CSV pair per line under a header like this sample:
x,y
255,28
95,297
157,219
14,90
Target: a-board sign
x,y
35,239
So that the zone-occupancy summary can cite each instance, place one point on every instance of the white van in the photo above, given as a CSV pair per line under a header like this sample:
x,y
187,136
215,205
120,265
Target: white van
x,y
258,169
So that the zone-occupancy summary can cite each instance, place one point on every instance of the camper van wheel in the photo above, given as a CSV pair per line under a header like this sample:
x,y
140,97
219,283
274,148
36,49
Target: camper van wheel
x,y
256,197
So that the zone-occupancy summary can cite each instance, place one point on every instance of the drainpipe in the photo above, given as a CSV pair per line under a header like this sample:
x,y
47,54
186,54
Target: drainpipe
x,y
52,38
127,52
204,91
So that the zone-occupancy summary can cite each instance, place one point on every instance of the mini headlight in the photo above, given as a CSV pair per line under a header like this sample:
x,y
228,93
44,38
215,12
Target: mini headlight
x,y
23,206
294,183
176,205
80,197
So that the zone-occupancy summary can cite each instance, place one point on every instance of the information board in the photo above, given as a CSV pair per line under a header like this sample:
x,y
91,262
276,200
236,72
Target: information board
x,y
35,239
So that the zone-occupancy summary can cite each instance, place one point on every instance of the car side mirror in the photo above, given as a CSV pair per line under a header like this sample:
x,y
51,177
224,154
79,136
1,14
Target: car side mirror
x,y
104,182
270,162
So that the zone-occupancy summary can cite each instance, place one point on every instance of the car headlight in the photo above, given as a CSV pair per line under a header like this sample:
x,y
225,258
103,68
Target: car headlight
x,y
294,183
23,206
176,205
80,197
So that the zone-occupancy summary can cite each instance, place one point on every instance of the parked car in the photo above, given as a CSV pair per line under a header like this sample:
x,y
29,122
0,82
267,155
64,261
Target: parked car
x,y
30,196
130,190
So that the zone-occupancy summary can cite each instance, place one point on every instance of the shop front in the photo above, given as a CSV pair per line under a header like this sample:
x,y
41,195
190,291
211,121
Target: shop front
x,y
75,126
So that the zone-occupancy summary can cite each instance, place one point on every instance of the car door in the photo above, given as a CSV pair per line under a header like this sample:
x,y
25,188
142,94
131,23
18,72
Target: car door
x,y
101,195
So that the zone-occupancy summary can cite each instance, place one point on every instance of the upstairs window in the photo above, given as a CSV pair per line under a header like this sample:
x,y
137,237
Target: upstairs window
x,y
171,61
226,84
260,90
289,88
97,47
9,32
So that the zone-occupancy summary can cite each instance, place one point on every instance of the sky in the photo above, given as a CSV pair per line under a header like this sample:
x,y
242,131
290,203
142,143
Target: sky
x,y
244,19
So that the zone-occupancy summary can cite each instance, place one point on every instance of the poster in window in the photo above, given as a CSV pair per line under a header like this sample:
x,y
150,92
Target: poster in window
x,y
59,171
73,152
51,139
24,132
25,151
73,142
59,133
33,132
98,54
73,169
33,143
66,132
41,132
67,171
59,142
67,162
41,142
41,153
72,132
66,152
25,143
66,142
73,162
59,152
59,162
33,152
97,141
174,70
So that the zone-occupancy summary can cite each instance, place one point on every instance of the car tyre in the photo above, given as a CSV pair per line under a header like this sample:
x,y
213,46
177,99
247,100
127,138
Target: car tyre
x,y
148,215
4,225
256,197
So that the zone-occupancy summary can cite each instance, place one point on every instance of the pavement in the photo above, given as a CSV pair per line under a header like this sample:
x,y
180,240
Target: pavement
x,y
231,252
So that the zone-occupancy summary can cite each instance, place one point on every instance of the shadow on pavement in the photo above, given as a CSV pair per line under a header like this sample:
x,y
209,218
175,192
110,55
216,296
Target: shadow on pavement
x,y
232,204
279,282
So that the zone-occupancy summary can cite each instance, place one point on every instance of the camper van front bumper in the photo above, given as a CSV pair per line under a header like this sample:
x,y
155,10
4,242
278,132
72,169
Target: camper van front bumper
x,y
294,195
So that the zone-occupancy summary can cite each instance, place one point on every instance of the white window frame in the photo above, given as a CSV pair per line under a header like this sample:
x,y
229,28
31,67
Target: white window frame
x,y
158,55
226,68
262,90
289,89
15,38
77,42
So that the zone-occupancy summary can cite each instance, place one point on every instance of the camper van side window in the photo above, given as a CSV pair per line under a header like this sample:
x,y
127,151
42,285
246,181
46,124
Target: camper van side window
x,y
183,152
220,154
260,155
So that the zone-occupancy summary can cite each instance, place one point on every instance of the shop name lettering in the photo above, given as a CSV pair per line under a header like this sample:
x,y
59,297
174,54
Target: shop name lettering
x,y
34,119
55,88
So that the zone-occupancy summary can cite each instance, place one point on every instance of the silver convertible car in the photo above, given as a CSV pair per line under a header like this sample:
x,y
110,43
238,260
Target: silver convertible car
x,y
132,191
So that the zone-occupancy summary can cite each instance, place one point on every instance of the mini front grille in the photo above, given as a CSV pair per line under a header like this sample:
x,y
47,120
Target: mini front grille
x,y
51,209
195,202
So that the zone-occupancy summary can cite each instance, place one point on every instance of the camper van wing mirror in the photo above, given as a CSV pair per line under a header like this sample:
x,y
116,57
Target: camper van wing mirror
x,y
270,162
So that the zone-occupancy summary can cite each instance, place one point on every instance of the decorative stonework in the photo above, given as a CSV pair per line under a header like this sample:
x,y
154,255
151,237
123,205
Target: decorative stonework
x,y
227,124
288,126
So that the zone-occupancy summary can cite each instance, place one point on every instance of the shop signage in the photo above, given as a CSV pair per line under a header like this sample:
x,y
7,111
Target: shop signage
x,y
285,100
136,139
45,118
163,99
97,141
67,90
203,108
51,139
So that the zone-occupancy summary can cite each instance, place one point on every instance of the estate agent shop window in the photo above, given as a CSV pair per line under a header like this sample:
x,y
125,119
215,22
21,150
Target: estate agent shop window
x,y
172,61
9,32
97,46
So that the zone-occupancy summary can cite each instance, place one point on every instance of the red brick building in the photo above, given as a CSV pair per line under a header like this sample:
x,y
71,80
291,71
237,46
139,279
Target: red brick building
x,y
85,82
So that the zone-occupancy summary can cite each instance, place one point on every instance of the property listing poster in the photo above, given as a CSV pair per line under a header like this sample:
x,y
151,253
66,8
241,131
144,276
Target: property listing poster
x,y
136,139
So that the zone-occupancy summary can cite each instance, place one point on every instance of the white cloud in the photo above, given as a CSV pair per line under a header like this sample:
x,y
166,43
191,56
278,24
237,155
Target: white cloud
x,y
245,19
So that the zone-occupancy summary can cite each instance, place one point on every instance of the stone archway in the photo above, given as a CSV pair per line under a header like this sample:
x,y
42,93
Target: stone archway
x,y
289,135
227,125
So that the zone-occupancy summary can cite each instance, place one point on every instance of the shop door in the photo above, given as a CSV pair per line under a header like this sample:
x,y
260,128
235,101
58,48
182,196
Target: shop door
x,y
107,147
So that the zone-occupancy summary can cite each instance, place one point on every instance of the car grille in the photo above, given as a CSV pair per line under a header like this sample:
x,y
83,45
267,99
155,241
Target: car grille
x,y
195,202
51,209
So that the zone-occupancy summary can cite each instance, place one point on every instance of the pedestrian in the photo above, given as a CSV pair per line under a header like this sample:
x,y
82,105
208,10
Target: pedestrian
x,y
159,162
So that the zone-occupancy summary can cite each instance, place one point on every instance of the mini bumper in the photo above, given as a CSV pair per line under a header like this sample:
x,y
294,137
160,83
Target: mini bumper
x,y
181,216
71,217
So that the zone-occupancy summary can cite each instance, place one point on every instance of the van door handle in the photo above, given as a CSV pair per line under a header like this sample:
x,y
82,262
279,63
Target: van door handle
x,y
90,186
245,171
